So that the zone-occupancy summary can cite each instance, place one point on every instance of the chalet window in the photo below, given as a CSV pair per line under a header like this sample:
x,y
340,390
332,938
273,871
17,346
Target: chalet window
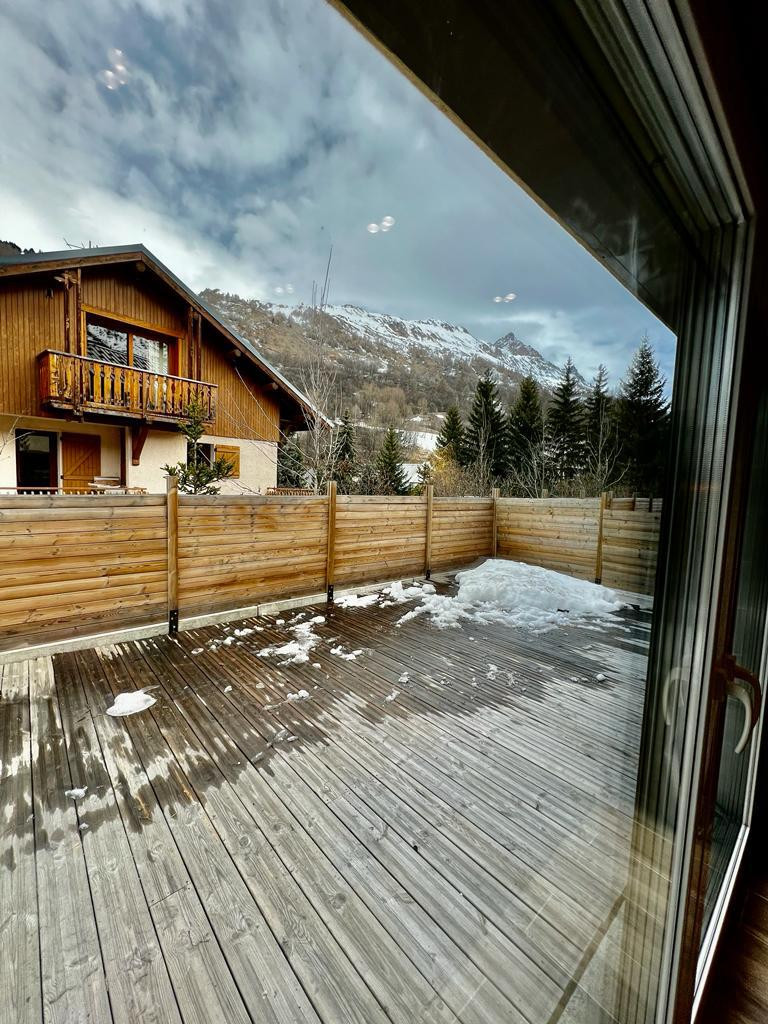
x,y
107,344
113,342
151,354
205,451
36,461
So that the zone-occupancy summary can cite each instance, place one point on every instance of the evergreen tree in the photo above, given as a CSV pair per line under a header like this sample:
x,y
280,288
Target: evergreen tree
x,y
565,423
597,407
486,448
345,454
389,465
451,438
643,419
291,468
426,476
603,455
525,425
199,474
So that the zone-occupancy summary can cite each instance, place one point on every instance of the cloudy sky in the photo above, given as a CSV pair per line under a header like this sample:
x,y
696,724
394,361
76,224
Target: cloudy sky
x,y
240,140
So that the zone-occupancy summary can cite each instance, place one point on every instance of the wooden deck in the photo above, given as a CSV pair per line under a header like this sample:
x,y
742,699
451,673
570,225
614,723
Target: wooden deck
x,y
454,853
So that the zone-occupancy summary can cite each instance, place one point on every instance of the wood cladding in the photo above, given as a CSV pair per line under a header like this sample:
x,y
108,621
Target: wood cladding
x,y
245,408
31,320
122,291
39,312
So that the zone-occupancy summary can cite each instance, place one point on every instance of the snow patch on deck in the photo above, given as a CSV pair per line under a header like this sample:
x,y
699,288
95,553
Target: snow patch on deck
x,y
520,596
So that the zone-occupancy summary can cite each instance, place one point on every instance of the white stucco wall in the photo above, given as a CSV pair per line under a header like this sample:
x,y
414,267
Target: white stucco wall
x,y
258,465
160,447
258,459
10,426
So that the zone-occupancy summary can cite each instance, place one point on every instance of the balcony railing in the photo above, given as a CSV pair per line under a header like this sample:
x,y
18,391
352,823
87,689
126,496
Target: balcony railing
x,y
87,385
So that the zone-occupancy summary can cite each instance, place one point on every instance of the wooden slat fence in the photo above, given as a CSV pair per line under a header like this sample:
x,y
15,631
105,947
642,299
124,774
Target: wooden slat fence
x,y
557,533
630,546
236,551
612,540
80,564
462,530
379,538
75,565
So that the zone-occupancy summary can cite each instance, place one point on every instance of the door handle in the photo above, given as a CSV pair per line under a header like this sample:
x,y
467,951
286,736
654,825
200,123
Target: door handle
x,y
738,691
745,687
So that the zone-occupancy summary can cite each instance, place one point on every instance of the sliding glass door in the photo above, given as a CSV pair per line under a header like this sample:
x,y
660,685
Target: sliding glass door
x,y
729,820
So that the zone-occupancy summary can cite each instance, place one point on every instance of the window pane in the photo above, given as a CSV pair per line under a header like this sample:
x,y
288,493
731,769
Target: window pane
x,y
150,354
107,344
35,454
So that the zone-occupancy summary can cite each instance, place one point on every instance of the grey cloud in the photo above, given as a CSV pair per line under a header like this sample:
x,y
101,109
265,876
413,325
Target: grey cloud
x,y
252,136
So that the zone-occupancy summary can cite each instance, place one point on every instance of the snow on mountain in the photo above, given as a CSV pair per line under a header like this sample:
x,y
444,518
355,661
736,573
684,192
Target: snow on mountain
x,y
526,361
437,337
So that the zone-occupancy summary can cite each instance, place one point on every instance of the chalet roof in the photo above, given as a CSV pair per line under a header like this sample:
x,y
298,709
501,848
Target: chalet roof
x,y
13,264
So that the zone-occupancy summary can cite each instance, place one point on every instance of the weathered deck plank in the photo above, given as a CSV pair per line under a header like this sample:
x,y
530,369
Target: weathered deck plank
x,y
20,991
202,980
73,979
449,855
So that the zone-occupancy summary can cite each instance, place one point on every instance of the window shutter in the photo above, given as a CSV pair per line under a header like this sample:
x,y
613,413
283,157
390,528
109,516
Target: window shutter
x,y
231,453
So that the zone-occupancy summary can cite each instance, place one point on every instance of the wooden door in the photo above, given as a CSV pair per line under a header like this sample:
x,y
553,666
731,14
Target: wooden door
x,y
80,461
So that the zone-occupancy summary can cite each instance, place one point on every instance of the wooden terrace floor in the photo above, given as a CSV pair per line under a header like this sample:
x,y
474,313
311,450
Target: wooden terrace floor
x,y
451,854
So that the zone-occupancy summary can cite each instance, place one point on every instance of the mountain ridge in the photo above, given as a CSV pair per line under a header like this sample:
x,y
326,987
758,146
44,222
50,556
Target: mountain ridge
x,y
390,367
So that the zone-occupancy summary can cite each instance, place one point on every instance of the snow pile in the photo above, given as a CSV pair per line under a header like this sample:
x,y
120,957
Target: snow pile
x,y
299,695
518,595
357,600
130,703
398,594
77,793
296,652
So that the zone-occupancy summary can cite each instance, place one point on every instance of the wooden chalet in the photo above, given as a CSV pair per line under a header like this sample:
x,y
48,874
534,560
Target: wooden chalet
x,y
101,352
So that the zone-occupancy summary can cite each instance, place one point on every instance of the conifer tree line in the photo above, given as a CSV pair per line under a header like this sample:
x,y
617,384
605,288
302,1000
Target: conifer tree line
x,y
581,439
584,439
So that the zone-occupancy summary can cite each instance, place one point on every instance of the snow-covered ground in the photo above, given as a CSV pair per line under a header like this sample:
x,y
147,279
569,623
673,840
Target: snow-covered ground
x,y
424,439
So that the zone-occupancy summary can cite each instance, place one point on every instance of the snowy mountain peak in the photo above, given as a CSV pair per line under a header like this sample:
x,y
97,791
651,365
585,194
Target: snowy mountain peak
x,y
391,366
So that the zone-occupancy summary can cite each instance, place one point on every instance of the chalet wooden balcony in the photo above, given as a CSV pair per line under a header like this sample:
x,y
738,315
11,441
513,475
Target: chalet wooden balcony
x,y
83,385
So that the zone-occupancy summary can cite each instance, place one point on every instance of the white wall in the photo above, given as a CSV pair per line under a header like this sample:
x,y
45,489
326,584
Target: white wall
x,y
160,447
10,426
258,459
258,465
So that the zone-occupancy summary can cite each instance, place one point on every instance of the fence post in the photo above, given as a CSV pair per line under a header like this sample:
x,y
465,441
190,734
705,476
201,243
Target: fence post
x,y
172,535
330,558
494,542
599,555
428,533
